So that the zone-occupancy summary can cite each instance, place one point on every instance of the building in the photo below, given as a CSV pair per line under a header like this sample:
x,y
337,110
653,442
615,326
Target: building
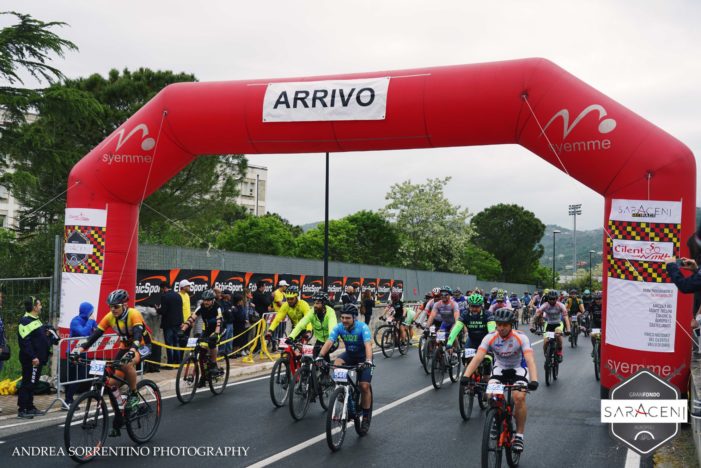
x,y
9,208
253,187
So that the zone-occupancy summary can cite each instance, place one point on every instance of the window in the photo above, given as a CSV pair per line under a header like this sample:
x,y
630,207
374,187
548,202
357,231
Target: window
x,y
3,193
2,220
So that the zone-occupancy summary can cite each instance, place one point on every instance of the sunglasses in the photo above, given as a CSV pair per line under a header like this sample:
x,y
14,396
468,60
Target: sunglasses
x,y
116,306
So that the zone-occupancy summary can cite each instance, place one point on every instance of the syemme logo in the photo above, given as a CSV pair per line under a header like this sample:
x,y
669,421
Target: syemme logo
x,y
606,125
147,144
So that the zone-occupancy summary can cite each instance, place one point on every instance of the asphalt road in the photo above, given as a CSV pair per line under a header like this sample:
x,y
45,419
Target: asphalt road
x,y
421,426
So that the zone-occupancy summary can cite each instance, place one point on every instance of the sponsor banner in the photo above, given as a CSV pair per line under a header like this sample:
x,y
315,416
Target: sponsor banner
x,y
650,211
310,285
642,250
200,280
309,101
85,217
291,279
354,281
148,286
269,279
644,411
641,315
335,288
384,288
398,286
231,281
77,288
369,284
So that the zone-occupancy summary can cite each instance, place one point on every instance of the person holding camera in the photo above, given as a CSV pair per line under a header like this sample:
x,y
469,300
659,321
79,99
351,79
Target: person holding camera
x,y
688,284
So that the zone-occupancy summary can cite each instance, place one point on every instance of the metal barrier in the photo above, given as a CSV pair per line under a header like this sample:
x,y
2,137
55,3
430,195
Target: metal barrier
x,y
105,348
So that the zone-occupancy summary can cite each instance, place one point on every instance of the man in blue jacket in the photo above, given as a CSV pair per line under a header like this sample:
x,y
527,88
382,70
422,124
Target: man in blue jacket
x,y
34,345
81,325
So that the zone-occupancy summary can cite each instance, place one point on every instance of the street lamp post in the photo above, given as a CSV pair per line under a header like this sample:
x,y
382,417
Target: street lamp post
x,y
590,278
574,211
556,231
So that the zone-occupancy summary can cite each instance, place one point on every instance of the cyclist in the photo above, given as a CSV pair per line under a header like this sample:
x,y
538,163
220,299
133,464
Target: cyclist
x,y
134,344
499,303
526,299
446,310
512,351
460,299
516,305
396,310
358,341
595,313
555,313
292,308
492,296
476,320
587,299
322,318
212,319
574,305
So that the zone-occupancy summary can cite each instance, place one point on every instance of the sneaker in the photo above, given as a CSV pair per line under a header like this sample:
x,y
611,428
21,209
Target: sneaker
x,y
517,444
132,402
365,425
35,412
24,414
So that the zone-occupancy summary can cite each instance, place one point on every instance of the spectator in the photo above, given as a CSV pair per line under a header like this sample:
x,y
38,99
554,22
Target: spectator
x,y
279,295
261,301
367,305
34,346
184,292
82,324
238,313
171,312
348,297
224,300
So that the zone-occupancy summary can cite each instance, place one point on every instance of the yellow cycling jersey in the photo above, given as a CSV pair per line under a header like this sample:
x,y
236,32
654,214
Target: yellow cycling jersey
x,y
295,313
125,328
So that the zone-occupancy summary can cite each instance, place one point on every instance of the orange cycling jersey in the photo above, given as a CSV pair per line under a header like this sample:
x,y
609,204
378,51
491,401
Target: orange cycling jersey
x,y
125,328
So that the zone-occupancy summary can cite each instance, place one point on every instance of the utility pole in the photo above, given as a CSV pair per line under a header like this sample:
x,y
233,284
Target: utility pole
x,y
556,231
574,211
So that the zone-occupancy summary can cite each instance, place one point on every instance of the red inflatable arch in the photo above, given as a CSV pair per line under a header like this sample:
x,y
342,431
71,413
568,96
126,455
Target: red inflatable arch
x,y
530,102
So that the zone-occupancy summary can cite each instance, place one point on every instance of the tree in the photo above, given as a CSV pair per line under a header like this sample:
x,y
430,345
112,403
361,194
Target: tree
x,y
258,234
433,233
512,234
543,277
481,263
26,47
342,235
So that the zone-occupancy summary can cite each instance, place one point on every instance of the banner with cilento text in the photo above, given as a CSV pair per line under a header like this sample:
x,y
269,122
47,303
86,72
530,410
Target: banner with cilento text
x,y
641,299
83,261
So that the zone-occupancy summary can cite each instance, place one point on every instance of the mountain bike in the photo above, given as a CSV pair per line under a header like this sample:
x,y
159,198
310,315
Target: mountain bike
x,y
538,325
575,329
596,352
344,405
551,365
428,347
500,423
309,382
284,368
391,338
85,429
443,361
471,391
526,315
195,372
585,323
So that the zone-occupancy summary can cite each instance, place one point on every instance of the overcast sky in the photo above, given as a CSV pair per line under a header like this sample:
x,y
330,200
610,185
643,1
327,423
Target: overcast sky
x,y
643,54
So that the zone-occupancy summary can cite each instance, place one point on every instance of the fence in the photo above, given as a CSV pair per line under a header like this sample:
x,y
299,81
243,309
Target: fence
x,y
13,292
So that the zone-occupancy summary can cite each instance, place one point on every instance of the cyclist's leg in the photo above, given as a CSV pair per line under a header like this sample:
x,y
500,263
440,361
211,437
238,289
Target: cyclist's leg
x,y
364,382
520,410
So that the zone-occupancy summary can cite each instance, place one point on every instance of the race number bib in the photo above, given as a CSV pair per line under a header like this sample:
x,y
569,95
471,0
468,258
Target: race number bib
x,y
97,367
470,352
441,335
307,350
550,335
340,375
596,331
495,388
432,329
281,343
191,342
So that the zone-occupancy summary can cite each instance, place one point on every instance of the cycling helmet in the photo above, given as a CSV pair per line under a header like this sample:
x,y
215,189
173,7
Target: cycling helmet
x,y
118,296
292,291
208,295
564,294
551,296
504,315
350,309
436,291
493,291
513,296
573,292
395,296
457,292
586,292
320,296
475,300
598,296
500,297
447,289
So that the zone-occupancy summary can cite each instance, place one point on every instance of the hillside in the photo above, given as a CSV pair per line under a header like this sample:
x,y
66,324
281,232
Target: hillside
x,y
564,247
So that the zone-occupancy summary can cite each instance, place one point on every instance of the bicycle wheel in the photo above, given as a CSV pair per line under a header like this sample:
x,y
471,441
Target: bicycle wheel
x,y
454,366
335,422
143,422
555,368
378,334
403,344
428,356
512,458
357,421
85,430
437,369
325,386
549,358
218,382
422,344
279,382
576,335
300,393
187,378
467,400
491,451
387,343
597,361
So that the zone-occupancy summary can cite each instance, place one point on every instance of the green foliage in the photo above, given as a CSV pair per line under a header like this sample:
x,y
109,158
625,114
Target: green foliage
x,y
481,263
543,277
342,234
512,234
258,234
433,233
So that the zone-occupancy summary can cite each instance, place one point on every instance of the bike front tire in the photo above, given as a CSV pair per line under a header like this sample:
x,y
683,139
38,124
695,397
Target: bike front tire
x,y
336,424
85,429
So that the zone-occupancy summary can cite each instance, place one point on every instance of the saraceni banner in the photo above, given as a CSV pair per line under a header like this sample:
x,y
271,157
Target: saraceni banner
x,y
310,101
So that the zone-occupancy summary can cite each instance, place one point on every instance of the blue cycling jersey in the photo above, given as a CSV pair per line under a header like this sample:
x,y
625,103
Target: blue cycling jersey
x,y
354,339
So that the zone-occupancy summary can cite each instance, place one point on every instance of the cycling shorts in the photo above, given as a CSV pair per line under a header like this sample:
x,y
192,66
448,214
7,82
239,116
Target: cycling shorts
x,y
520,372
554,327
353,360
137,354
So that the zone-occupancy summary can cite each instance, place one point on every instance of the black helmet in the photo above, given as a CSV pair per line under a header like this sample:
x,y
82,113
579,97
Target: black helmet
x,y
552,295
350,309
208,295
118,296
504,315
573,292
457,292
320,296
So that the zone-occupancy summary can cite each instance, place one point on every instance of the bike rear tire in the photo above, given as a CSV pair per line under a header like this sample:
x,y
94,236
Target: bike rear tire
x,y
218,384
187,379
91,410
143,425
403,344
279,382
300,394
437,369
387,343
335,423
491,452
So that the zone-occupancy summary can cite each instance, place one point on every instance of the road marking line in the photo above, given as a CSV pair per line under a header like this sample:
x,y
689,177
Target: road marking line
x,y
632,460
307,443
